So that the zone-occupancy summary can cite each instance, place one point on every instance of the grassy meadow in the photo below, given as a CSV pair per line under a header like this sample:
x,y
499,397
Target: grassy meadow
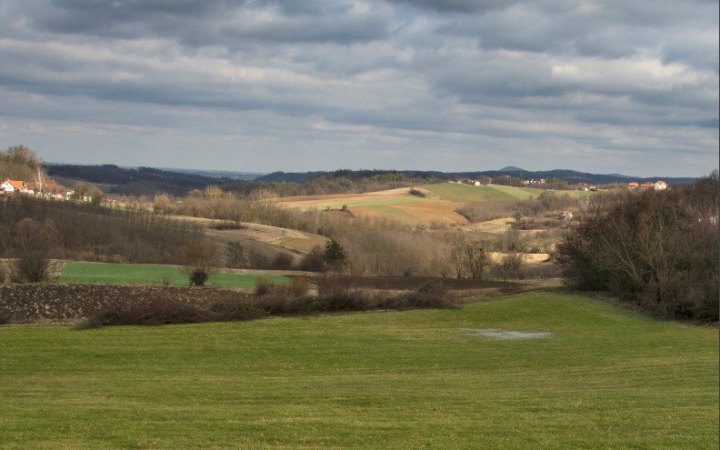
x,y
153,274
461,193
604,378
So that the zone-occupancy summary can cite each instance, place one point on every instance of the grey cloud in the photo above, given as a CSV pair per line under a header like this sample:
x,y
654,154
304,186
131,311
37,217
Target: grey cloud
x,y
463,6
388,82
212,22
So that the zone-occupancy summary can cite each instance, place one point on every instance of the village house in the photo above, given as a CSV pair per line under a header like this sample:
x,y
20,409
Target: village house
x,y
660,185
633,185
13,186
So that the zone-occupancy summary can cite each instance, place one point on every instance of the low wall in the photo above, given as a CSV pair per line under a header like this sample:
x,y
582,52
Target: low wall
x,y
27,303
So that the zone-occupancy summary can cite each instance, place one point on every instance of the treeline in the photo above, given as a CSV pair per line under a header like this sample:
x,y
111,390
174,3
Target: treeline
x,y
135,181
658,249
68,230
146,181
338,182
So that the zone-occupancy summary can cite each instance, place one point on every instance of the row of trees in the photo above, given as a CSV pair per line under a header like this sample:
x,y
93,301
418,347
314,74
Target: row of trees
x,y
67,230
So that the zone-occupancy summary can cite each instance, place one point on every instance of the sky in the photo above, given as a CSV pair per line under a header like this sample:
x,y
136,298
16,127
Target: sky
x,y
611,86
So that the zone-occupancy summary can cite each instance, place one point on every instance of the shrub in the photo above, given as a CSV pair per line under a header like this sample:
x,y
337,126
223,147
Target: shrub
x,y
299,286
262,286
152,312
282,261
32,266
430,294
165,308
198,276
314,261
510,266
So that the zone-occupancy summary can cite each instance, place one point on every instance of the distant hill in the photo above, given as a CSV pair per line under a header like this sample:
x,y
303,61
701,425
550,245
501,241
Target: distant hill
x,y
149,181
571,176
229,174
134,181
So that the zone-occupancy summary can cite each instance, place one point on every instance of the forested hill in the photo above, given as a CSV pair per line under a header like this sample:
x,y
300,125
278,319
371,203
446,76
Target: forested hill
x,y
570,176
136,181
149,181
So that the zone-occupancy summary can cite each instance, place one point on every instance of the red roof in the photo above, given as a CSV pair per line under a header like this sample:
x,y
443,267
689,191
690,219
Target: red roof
x,y
16,184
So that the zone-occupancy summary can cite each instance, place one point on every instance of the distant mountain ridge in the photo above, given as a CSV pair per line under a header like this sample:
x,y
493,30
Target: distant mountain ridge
x,y
148,180
571,176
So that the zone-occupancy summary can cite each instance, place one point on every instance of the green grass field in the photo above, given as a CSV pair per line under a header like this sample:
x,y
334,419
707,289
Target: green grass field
x,y
152,274
417,379
465,193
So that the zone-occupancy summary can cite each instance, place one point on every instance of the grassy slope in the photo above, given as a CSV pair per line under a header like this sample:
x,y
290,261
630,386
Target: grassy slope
x,y
374,380
462,193
152,274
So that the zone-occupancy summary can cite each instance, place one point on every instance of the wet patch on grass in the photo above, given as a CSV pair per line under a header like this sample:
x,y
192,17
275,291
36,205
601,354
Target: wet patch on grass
x,y
494,333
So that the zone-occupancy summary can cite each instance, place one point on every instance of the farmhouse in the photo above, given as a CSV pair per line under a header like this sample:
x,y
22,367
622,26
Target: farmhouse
x,y
633,184
11,186
660,185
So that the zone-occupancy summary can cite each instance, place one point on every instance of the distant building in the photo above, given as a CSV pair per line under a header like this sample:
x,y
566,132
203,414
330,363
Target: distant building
x,y
633,185
648,184
660,185
10,186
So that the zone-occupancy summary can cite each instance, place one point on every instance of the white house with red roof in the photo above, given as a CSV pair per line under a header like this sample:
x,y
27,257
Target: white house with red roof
x,y
660,185
10,186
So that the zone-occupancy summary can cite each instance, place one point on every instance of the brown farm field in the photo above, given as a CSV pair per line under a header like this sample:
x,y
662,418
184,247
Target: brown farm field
x,y
438,206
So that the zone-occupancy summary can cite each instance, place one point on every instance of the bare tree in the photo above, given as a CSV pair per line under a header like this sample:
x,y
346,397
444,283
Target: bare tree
x,y
200,257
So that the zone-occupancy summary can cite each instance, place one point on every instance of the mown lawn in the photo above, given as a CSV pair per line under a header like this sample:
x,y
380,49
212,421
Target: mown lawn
x,y
417,379
152,274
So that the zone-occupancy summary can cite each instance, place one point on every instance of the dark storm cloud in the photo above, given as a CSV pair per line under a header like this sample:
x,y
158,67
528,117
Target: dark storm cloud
x,y
210,22
432,82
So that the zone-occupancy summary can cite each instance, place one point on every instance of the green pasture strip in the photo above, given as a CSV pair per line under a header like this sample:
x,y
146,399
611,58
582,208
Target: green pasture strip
x,y
401,380
463,193
153,274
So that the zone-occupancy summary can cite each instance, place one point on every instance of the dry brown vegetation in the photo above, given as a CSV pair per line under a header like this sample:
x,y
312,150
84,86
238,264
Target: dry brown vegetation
x,y
67,230
373,246
656,248
167,309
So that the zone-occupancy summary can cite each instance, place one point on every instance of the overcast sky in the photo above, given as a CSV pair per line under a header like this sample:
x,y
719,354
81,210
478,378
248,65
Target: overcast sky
x,y
623,86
